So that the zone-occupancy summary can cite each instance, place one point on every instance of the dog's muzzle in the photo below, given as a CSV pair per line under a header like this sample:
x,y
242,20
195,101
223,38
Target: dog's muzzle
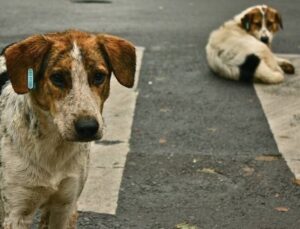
x,y
265,40
86,129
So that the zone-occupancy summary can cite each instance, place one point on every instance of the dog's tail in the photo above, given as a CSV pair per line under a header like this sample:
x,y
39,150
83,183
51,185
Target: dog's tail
x,y
248,68
228,65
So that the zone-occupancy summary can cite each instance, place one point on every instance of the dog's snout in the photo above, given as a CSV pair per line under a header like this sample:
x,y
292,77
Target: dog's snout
x,y
265,39
86,128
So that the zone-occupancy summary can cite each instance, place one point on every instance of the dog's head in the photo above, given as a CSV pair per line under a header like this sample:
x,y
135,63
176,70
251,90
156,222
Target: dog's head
x,y
72,73
262,22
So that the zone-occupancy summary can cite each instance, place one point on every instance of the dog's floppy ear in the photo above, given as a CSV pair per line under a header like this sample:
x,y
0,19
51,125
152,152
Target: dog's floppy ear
x,y
121,57
21,56
278,20
274,17
246,21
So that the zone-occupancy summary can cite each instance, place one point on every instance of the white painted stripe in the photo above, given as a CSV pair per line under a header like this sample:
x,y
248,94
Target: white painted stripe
x,y
281,104
108,159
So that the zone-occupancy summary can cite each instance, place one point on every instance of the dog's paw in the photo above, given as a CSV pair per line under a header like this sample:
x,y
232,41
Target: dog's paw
x,y
287,67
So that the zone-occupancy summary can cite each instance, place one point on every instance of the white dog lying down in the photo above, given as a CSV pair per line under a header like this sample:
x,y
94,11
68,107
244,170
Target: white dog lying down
x,y
241,48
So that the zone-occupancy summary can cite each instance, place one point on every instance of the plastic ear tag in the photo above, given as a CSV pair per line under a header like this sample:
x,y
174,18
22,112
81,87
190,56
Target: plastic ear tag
x,y
247,25
30,79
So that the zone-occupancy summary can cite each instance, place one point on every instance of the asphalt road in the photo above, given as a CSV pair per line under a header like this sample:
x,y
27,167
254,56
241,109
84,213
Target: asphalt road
x,y
197,140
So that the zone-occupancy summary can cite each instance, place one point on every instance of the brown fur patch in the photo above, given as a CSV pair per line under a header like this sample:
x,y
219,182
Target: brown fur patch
x,y
22,56
287,68
273,20
252,21
121,55
30,52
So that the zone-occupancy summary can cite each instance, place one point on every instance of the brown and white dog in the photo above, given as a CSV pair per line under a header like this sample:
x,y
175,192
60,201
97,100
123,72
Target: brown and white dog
x,y
45,132
241,48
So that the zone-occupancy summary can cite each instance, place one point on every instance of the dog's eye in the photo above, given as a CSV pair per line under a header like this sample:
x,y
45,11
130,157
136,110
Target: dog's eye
x,y
269,24
258,24
58,80
98,78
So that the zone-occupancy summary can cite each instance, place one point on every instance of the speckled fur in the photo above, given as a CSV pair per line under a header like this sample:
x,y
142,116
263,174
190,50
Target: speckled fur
x,y
80,101
61,169
43,164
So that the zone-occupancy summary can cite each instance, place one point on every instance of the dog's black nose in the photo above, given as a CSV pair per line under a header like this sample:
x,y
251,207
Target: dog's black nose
x,y
265,40
86,128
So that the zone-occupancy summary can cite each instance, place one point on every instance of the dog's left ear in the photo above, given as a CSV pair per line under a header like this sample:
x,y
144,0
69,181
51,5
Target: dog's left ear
x,y
246,21
278,20
21,56
121,57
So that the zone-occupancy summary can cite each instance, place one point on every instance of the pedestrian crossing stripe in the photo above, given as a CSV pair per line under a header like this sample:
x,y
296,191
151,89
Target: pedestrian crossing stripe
x,y
108,156
281,104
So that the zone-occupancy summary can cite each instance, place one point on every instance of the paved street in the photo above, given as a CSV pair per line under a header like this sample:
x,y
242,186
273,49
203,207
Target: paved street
x,y
202,152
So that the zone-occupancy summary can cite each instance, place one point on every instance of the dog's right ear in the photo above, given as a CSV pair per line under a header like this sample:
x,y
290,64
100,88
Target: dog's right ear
x,y
121,57
246,21
21,56
278,20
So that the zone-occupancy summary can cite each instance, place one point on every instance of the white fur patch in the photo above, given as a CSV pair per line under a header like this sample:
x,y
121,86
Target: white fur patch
x,y
79,75
75,53
80,100
2,64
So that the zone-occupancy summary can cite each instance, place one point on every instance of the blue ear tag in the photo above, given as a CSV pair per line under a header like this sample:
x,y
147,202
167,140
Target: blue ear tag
x,y
247,25
30,79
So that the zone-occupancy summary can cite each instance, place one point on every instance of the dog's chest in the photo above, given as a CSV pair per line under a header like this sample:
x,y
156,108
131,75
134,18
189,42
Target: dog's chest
x,y
62,161
34,156
45,163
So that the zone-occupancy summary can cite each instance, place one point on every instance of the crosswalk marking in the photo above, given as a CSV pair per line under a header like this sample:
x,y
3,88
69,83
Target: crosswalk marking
x,y
108,156
281,104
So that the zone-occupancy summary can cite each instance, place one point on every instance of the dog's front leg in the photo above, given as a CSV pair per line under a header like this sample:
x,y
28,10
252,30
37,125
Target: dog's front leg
x,y
63,211
63,216
20,204
285,65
